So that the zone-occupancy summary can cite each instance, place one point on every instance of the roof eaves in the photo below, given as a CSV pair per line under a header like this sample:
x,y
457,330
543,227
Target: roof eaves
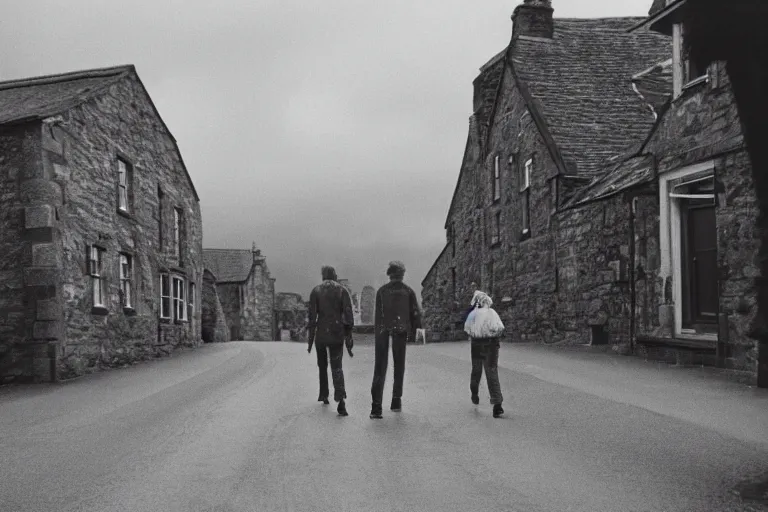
x,y
650,21
458,181
65,77
426,276
541,123
173,139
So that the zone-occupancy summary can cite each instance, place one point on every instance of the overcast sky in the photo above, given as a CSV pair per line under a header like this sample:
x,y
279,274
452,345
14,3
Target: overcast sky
x,y
328,132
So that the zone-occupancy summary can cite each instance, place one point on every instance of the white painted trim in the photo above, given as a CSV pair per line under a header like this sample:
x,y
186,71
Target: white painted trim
x,y
691,196
669,235
664,64
677,59
696,81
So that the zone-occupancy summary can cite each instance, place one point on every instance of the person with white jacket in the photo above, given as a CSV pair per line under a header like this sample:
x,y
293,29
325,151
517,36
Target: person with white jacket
x,y
485,328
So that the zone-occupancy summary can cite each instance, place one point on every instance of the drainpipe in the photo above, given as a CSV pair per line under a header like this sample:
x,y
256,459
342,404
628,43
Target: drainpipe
x,y
632,290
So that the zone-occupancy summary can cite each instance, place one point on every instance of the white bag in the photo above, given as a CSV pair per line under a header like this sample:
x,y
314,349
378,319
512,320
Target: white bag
x,y
484,322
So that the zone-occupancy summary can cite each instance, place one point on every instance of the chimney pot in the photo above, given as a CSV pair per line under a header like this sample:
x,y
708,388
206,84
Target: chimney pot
x,y
533,18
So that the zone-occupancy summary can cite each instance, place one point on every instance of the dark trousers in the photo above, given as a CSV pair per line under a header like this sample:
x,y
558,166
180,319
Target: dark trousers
x,y
380,365
337,374
485,354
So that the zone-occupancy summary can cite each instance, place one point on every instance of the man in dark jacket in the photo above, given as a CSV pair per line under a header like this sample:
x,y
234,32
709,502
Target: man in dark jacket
x,y
330,328
397,315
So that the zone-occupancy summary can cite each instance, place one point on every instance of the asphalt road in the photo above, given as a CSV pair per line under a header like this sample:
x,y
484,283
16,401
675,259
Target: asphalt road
x,y
235,427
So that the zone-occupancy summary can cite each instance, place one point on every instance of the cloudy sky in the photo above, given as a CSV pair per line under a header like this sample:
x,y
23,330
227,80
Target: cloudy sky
x,y
328,132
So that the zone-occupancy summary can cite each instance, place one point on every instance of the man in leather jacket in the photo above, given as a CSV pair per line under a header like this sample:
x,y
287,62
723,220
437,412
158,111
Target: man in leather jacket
x,y
397,314
330,327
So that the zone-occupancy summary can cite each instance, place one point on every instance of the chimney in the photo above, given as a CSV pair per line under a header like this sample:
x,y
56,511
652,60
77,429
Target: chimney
x,y
533,18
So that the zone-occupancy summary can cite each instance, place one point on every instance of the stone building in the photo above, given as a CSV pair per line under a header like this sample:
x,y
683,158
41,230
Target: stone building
x,y
604,195
214,322
100,251
367,303
246,292
291,316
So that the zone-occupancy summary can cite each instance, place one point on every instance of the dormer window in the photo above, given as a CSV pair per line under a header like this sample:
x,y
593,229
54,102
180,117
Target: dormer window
x,y
690,69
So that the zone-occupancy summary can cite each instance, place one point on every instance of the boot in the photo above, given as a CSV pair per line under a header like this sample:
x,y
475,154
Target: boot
x,y
342,409
497,411
376,413
323,399
396,405
475,398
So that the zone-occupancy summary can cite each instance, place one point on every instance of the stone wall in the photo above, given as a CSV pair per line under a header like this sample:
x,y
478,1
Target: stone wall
x,y
121,123
367,303
231,299
292,314
591,273
26,219
214,324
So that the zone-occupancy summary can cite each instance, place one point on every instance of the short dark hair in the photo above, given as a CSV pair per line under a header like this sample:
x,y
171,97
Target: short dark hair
x,y
328,272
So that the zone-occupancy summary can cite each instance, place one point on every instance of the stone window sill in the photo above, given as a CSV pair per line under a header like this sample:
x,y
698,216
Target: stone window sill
x,y
99,310
129,311
181,322
124,213
165,320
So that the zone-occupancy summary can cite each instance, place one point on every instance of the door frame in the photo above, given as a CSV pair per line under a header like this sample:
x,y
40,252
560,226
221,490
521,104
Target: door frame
x,y
671,237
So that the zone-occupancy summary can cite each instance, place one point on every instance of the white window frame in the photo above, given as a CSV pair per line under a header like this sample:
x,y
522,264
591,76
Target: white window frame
x,y
123,185
126,279
165,293
178,291
527,170
96,271
681,64
670,237
496,179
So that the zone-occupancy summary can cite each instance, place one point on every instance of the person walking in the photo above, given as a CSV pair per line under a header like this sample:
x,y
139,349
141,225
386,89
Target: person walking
x,y
397,315
484,328
330,328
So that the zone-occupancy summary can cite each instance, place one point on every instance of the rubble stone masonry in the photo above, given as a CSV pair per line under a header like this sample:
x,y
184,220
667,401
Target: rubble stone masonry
x,y
60,181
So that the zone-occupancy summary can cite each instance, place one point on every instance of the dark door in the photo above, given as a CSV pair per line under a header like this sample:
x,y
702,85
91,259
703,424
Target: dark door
x,y
700,266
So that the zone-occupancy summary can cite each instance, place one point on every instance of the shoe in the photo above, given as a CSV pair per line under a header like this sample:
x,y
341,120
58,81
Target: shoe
x,y
342,409
323,399
497,411
396,405
375,415
475,399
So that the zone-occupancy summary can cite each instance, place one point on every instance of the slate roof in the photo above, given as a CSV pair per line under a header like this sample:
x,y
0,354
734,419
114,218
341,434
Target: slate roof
x,y
37,98
229,265
628,172
580,82
657,6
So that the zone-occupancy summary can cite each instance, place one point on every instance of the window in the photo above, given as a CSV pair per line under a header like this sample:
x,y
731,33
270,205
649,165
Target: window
x,y
496,179
96,271
124,179
126,279
177,231
165,296
496,237
525,195
179,304
489,272
694,68
191,299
